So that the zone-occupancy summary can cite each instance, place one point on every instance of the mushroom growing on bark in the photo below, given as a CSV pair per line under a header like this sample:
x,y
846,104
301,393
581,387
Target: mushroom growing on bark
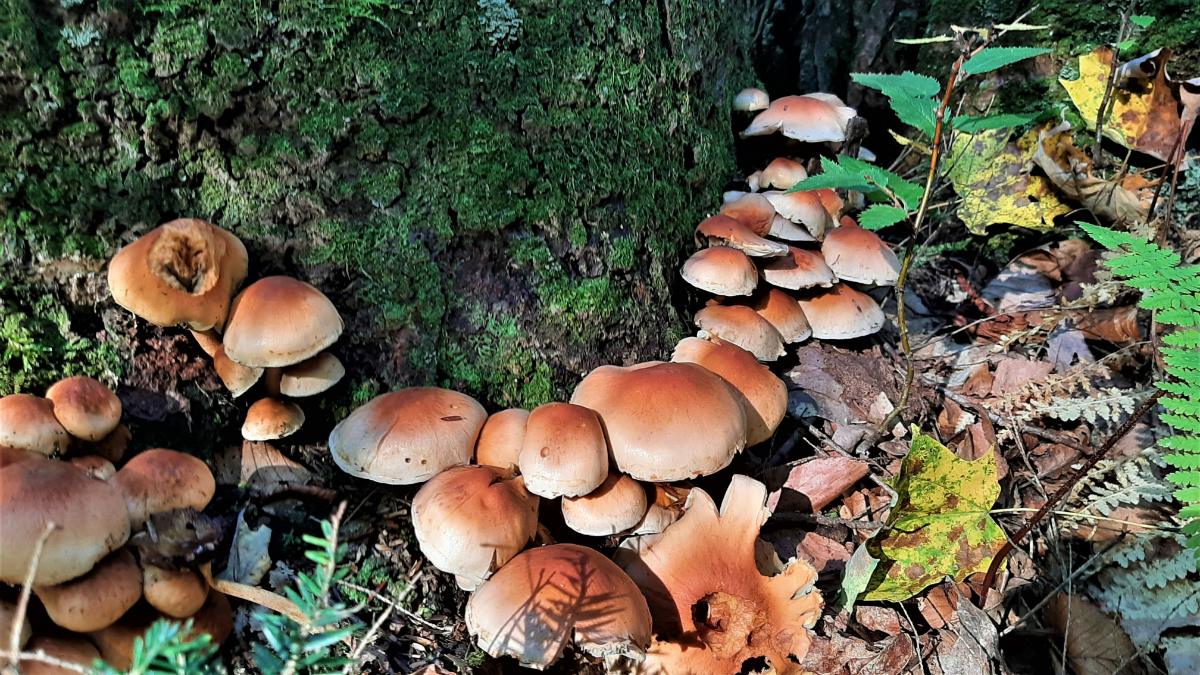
x,y
811,118
549,596
783,312
721,270
278,321
564,452
716,600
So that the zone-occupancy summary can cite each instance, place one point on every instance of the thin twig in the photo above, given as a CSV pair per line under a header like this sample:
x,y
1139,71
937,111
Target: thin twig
x,y
14,636
1110,84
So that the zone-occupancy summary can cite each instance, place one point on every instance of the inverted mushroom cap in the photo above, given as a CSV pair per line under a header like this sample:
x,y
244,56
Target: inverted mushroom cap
x,y
783,312
743,327
751,99
90,514
27,422
278,321
407,436
176,593
271,418
160,480
855,254
564,452
547,596
722,230
96,599
721,270
665,421
238,379
617,505
782,173
65,648
311,376
184,271
762,394
471,520
810,208
86,408
842,313
501,438
801,269
811,118
708,559
752,210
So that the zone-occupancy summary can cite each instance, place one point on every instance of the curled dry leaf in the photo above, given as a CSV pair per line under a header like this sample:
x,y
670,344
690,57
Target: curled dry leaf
x,y
1070,169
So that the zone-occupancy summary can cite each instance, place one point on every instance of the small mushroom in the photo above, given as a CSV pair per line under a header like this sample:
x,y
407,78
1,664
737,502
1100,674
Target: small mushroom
x,y
278,321
665,509
762,394
471,520
721,270
814,209
616,506
176,593
722,230
113,446
842,313
87,409
751,99
782,173
800,269
184,271
859,255
238,379
548,596
811,118
160,480
27,422
311,376
407,436
501,438
665,421
564,452
64,648
782,228
97,599
783,312
96,467
752,210
743,327
270,418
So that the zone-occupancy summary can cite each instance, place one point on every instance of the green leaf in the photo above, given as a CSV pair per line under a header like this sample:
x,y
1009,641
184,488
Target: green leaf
x,y
859,570
1142,20
879,216
992,58
1022,26
911,96
941,525
848,173
989,122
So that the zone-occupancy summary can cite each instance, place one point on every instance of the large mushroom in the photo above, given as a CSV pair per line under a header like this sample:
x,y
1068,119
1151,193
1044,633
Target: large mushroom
x,y
279,321
564,452
619,504
716,601
811,118
842,313
160,480
783,312
27,423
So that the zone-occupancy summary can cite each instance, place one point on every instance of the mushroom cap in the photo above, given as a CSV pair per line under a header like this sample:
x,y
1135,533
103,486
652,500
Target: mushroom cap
x,y
743,327
8,614
665,421
782,228
176,593
407,436
782,173
762,394
501,438
471,520
208,340
277,321
27,422
65,648
856,254
96,599
751,99
86,408
90,514
10,455
116,642
752,210
547,596
270,418
721,270
95,466
238,379
707,559
113,446
842,313
811,118
617,505
722,230
311,376
801,269
183,271
564,452
782,311
159,480
807,207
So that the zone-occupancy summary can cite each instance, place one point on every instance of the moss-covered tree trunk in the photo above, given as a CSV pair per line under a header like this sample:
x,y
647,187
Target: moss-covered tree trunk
x,y
496,193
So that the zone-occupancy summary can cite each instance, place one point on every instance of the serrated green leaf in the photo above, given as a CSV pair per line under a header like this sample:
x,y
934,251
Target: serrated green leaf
x,y
992,58
1142,20
879,216
989,122
907,83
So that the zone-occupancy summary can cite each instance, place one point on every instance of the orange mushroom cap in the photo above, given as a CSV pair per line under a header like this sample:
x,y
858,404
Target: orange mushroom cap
x,y
811,118
278,321
856,254
501,438
783,312
801,269
721,270
842,313
743,327
762,394
722,230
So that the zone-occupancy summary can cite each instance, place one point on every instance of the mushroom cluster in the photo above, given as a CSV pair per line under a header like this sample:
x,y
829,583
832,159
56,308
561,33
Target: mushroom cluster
x,y
276,330
786,266
96,578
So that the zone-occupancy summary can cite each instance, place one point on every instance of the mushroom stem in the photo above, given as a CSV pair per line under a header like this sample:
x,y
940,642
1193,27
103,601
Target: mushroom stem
x,y
259,596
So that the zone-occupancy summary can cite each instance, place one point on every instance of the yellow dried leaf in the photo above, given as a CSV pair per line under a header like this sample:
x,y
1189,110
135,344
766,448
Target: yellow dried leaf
x,y
991,174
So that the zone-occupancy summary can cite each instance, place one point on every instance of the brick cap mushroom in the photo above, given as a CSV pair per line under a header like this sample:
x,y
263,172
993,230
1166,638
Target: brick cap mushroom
x,y
720,230
278,321
160,480
720,270
176,593
65,648
842,313
564,452
714,606
782,173
762,394
87,409
27,422
810,118
783,312
859,255
665,421
97,599
619,504
550,595
752,210
270,418
501,438
471,520
743,327
801,269
407,436
814,209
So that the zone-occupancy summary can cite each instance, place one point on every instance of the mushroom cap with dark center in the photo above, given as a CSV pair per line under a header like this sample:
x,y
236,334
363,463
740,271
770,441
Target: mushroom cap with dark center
x,y
802,268
278,321
743,327
97,599
407,436
90,514
184,271
721,270
616,506
722,230
564,452
160,480
857,254
842,313
762,394
810,118
501,439
27,422
271,418
86,408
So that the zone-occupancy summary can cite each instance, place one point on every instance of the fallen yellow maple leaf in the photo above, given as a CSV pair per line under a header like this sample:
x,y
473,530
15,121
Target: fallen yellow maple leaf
x,y
991,174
